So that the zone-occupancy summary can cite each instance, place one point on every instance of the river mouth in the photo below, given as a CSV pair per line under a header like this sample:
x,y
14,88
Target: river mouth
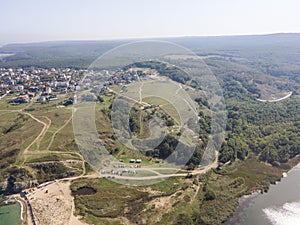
x,y
85,191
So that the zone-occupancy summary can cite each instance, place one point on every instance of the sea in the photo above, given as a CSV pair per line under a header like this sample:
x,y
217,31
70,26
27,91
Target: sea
x,y
2,55
279,206
10,214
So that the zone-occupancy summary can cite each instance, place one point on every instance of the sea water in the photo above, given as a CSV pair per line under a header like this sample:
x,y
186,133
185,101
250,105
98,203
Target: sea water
x,y
10,214
3,55
280,206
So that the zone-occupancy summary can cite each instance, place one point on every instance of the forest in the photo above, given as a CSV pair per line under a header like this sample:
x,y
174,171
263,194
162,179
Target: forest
x,y
247,68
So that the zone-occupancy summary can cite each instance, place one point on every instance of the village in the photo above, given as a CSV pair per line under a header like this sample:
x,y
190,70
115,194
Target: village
x,y
46,84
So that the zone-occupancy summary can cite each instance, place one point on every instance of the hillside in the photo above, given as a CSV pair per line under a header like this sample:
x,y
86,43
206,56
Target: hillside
x,y
38,140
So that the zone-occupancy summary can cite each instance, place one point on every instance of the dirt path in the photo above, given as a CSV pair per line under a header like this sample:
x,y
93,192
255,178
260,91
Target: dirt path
x,y
57,131
140,90
53,204
41,134
48,126
129,98
179,89
61,210
158,175
196,192
57,205
276,100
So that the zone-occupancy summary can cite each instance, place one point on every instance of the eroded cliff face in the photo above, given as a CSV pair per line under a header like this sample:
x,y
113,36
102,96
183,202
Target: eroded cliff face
x,y
14,180
3,186
19,186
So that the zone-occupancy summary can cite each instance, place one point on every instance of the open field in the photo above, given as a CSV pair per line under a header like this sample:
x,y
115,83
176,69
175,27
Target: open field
x,y
45,157
37,140
19,131
127,205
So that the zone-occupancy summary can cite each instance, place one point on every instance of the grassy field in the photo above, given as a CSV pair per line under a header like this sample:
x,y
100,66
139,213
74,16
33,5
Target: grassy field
x,y
204,199
28,135
5,105
107,201
257,175
109,204
46,157
64,140
58,118
153,100
165,106
18,131
106,133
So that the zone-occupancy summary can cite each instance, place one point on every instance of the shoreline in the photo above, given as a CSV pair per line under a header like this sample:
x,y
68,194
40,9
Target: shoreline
x,y
245,200
14,200
22,210
58,186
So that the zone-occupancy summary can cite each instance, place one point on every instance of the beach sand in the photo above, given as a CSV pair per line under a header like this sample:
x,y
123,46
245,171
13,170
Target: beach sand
x,y
54,204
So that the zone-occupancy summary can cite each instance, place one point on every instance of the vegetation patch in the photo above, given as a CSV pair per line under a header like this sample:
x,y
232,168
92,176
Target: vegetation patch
x,y
84,191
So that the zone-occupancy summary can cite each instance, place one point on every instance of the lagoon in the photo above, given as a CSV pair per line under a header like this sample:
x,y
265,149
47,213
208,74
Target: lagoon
x,y
10,214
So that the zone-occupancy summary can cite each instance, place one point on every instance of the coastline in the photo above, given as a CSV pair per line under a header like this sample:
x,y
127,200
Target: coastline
x,y
23,208
56,189
246,200
15,215
21,211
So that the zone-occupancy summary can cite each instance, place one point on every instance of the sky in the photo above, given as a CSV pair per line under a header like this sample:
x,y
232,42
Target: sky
x,y
33,20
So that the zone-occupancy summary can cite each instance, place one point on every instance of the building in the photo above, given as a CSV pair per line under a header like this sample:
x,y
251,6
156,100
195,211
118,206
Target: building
x,y
48,91
21,99
19,88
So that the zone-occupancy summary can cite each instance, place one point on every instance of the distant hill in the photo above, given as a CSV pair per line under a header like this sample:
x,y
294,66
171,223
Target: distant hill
x,y
82,53
238,41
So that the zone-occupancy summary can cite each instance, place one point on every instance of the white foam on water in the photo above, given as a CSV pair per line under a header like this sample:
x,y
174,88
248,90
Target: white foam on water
x,y
287,214
297,167
284,175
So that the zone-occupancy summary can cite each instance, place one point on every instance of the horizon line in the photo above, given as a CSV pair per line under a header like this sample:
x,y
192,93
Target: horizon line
x,y
141,38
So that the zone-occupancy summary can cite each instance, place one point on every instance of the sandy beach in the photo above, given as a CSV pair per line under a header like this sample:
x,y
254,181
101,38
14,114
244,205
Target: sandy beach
x,y
22,209
53,205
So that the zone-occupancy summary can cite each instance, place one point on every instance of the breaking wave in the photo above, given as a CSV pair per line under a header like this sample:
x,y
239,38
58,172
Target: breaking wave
x,y
287,214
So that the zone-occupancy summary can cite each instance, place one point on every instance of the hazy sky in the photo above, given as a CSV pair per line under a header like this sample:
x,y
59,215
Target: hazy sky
x,y
33,20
